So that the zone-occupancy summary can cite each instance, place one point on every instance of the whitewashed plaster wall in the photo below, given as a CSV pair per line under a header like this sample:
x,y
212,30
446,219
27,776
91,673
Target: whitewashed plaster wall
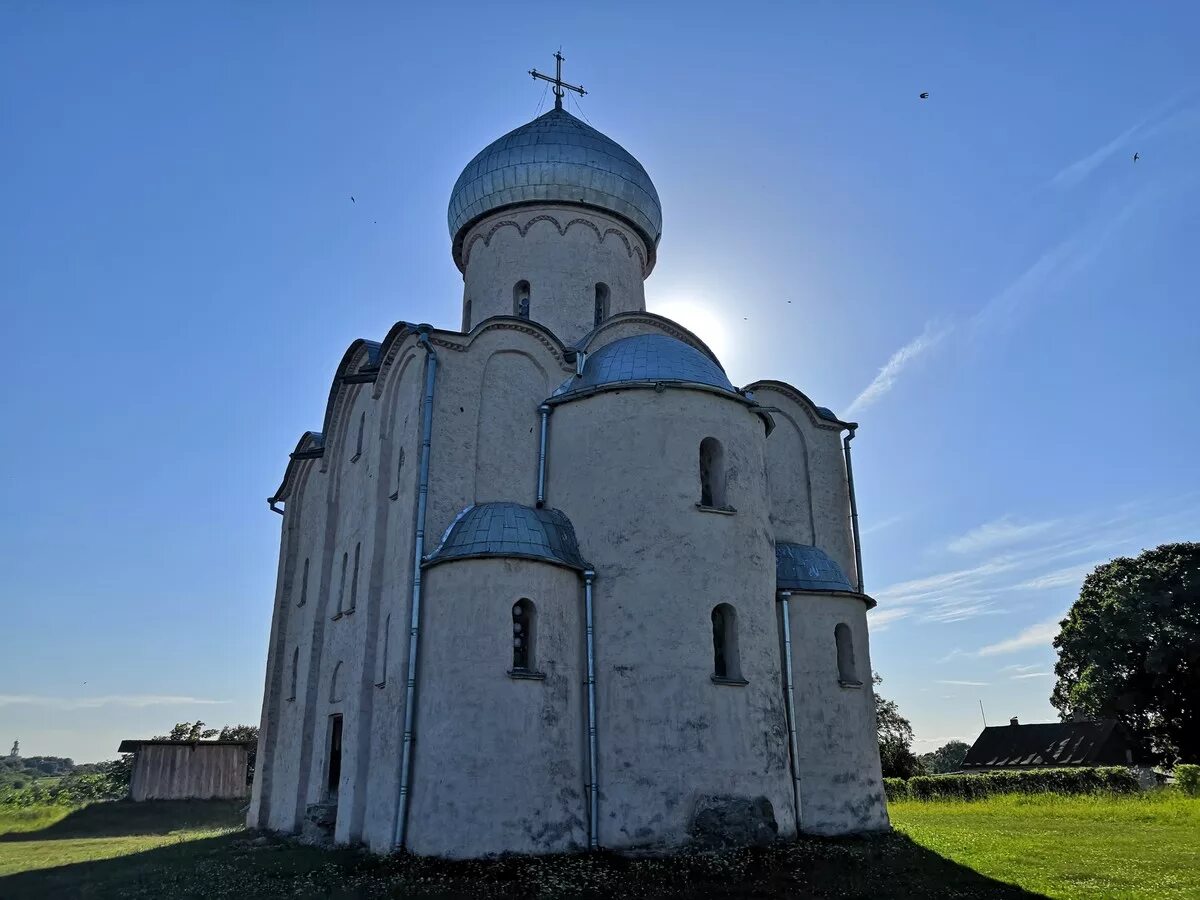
x,y
810,504
841,785
624,467
563,252
499,762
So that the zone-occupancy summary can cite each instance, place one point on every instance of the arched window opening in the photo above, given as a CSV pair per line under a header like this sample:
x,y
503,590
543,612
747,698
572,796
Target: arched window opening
x,y
295,674
524,618
362,424
847,670
382,669
712,473
303,585
354,579
335,683
521,299
466,316
341,597
726,665
601,302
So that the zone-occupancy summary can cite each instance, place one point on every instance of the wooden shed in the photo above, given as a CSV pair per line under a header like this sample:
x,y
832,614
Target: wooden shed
x,y
187,770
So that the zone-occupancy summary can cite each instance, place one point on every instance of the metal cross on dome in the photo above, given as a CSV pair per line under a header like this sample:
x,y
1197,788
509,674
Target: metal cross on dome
x,y
560,86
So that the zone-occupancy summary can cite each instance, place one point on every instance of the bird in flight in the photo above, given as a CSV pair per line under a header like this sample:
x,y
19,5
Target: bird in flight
x,y
925,95
352,200
1136,157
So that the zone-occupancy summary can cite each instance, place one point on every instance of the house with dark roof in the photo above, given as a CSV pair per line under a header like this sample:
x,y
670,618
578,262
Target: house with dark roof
x,y
1086,742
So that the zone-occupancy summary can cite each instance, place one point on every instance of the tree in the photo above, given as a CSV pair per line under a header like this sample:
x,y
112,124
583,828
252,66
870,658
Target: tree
x,y
1129,649
188,731
946,758
895,738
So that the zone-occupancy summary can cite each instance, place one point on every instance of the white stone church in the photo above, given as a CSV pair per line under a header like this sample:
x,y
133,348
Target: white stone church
x,y
550,581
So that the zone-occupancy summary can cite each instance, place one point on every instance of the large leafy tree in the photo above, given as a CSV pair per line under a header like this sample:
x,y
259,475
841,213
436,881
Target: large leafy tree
x,y
946,758
895,739
1130,649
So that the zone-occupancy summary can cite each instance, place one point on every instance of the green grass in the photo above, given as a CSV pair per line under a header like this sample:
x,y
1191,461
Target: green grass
x,y
1142,846
1145,845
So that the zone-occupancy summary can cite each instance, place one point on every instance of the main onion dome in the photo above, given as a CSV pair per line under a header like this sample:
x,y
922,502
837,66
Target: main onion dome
x,y
802,567
510,530
646,359
555,159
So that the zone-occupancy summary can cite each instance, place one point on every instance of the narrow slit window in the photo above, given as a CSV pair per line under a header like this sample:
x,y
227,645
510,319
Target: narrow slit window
x,y
601,302
466,316
303,584
712,473
341,597
524,622
295,674
381,672
844,640
521,300
362,424
726,665
399,470
354,579
335,686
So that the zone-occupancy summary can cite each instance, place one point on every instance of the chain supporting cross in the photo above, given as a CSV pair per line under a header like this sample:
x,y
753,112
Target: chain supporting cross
x,y
560,86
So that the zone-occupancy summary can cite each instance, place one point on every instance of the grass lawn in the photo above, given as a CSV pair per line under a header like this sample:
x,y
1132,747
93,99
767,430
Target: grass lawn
x,y
1000,847
1145,845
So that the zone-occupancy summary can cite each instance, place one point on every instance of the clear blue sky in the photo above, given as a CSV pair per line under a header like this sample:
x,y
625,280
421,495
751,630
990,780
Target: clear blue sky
x,y
985,280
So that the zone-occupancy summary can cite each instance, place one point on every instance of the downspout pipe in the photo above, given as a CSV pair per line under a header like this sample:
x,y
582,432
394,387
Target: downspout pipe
x,y
789,696
414,627
544,412
593,786
853,505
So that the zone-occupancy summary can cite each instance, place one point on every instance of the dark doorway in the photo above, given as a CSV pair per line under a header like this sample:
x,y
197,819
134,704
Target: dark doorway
x,y
335,757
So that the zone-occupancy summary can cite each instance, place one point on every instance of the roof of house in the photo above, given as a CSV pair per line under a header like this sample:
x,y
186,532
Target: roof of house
x,y
132,746
1084,743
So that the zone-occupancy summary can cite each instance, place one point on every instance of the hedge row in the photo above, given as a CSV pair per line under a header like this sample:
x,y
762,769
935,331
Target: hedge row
x,y
1187,776
1114,779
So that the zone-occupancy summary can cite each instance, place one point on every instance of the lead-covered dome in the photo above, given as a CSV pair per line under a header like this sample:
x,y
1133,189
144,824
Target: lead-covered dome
x,y
646,359
555,159
510,530
803,567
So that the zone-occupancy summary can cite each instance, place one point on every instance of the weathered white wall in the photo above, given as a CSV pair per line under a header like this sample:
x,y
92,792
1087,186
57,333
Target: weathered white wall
x,y
841,786
806,472
562,251
624,466
499,761
187,771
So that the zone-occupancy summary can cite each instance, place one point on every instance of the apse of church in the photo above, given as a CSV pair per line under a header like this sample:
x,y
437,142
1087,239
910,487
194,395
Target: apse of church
x,y
551,581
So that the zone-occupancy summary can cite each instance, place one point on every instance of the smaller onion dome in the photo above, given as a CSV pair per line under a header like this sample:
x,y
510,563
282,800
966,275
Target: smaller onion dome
x,y
510,530
802,567
646,359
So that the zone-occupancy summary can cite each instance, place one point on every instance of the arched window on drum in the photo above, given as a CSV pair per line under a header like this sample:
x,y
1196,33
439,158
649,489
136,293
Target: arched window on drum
x,y
524,637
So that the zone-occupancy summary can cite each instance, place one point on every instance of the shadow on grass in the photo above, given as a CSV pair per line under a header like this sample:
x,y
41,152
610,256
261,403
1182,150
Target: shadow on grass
x,y
241,864
124,818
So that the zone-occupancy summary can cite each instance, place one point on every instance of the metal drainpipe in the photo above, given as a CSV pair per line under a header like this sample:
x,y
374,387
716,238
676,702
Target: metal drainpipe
x,y
790,700
544,411
431,362
593,787
853,505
